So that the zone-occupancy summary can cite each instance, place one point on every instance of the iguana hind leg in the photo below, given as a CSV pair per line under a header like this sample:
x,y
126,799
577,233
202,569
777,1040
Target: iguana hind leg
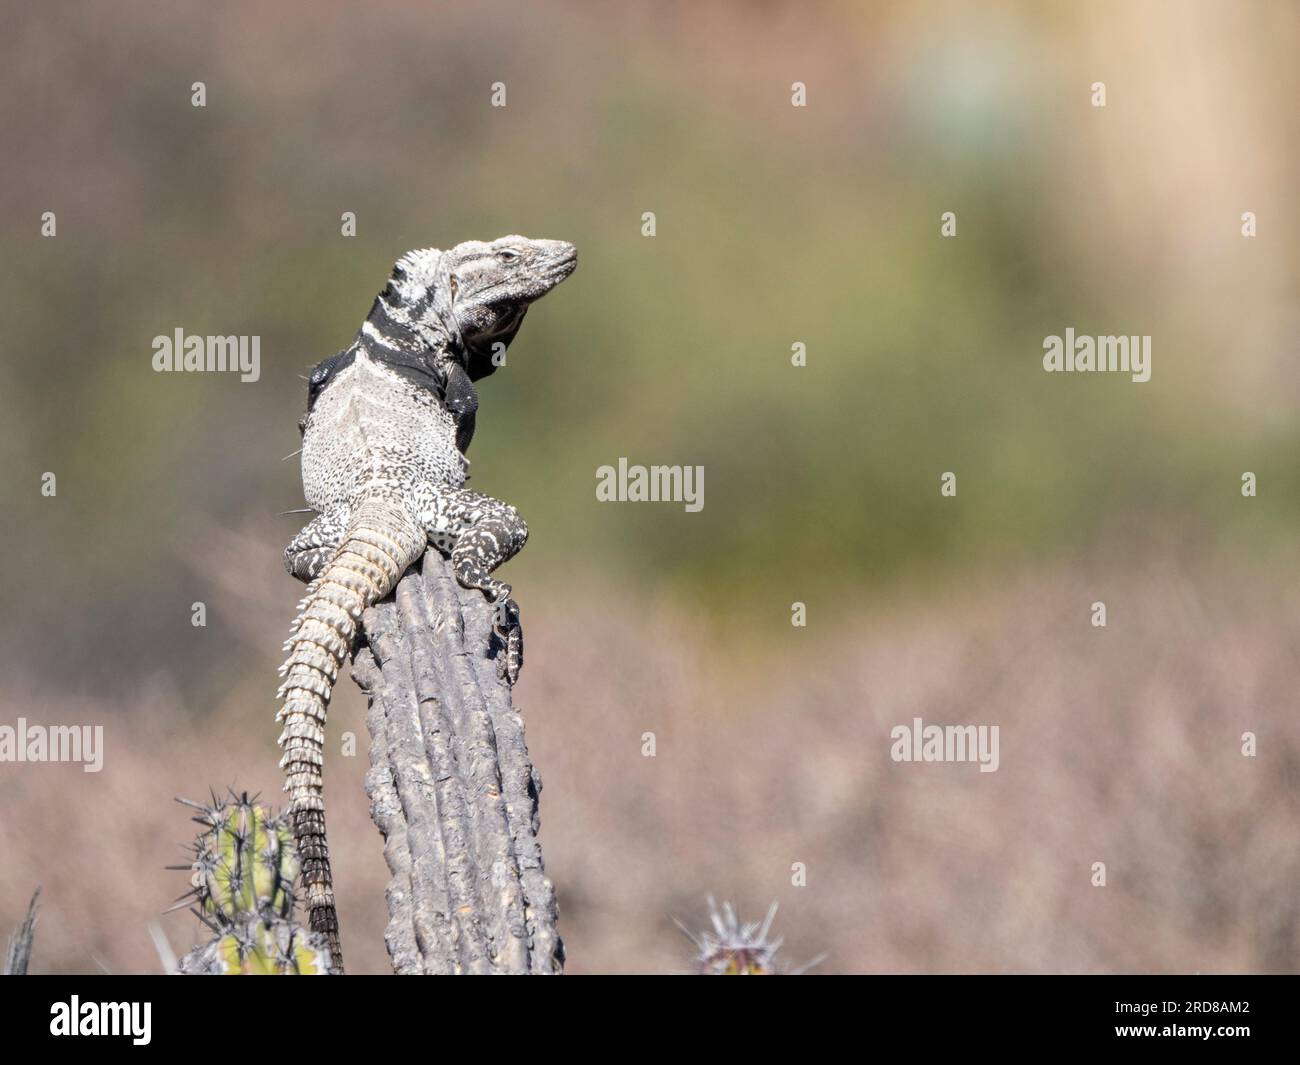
x,y
480,533
310,551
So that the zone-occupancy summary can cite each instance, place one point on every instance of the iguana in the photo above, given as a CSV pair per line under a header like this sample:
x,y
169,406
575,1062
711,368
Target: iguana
x,y
383,465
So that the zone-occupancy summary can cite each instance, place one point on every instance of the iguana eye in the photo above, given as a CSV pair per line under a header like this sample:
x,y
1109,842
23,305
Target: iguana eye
x,y
507,256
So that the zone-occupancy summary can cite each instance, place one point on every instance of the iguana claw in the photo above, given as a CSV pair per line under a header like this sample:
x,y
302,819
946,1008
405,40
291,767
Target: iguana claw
x,y
511,634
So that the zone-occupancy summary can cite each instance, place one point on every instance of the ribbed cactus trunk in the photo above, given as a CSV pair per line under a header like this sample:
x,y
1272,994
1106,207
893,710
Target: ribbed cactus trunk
x,y
452,787
381,541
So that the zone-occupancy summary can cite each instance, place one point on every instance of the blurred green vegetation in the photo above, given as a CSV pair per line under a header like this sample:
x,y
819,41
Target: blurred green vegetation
x,y
775,225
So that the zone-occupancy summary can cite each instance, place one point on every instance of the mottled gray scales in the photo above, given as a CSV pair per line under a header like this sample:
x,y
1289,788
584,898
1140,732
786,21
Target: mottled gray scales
x,y
383,465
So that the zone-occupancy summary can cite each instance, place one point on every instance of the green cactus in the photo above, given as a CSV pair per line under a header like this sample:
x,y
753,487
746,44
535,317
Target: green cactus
x,y
242,877
245,862
255,947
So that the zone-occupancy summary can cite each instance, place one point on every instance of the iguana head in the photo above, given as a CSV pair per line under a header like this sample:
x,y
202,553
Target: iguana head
x,y
468,301
492,284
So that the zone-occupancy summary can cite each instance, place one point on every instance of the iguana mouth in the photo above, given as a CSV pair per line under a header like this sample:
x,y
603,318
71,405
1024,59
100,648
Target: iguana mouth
x,y
563,267
569,263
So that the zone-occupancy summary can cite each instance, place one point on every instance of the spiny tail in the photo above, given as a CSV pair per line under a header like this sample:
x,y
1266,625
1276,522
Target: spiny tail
x,y
381,541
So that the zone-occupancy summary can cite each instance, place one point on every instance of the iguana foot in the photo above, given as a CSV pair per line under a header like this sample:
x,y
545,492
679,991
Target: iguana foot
x,y
510,659
309,552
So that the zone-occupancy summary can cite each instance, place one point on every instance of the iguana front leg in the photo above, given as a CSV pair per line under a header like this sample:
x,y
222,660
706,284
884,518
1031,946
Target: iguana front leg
x,y
461,400
480,533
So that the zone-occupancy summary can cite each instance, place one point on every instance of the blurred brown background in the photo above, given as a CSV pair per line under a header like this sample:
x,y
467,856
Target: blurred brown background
x,y
775,224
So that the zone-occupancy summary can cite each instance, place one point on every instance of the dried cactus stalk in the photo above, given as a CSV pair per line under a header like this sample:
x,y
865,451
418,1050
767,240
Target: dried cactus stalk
x,y
19,954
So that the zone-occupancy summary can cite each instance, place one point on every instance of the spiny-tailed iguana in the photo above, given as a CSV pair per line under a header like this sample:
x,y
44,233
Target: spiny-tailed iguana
x,y
383,465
